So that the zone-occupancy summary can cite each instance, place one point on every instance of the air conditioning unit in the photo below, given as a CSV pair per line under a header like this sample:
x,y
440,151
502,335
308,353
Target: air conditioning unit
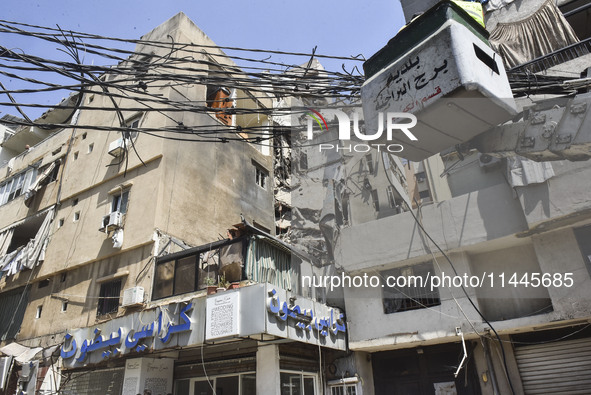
x,y
117,147
111,221
133,296
486,160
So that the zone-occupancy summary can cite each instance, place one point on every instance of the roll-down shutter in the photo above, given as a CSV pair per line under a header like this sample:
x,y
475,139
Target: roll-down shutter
x,y
562,367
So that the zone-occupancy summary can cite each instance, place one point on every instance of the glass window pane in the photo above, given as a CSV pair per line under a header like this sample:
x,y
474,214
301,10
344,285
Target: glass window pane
x,y
291,384
182,387
248,385
184,277
163,281
226,385
123,204
308,385
202,388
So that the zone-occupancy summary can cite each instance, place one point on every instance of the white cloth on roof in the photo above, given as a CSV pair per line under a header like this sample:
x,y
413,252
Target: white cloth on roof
x,y
523,172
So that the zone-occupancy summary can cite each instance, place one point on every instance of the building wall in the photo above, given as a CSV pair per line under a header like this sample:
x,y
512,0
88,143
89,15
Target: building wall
x,y
189,190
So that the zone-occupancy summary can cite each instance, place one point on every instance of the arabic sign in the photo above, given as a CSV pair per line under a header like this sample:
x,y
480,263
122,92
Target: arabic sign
x,y
159,328
249,311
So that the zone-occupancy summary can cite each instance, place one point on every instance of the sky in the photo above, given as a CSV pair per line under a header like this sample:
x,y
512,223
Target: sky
x,y
343,28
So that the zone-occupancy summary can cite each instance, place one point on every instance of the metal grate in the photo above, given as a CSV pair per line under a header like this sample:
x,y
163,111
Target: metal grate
x,y
109,297
554,58
416,294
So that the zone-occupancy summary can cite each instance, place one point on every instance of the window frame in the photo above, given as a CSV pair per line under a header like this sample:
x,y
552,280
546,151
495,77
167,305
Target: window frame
x,y
259,171
117,199
197,255
413,297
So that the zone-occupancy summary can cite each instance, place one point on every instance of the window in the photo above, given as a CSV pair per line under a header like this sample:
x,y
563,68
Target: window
x,y
369,162
90,147
261,176
424,194
63,277
133,124
38,312
190,273
76,216
343,389
109,294
119,202
84,136
64,306
297,383
76,155
421,176
75,202
375,200
238,384
16,185
407,288
60,223
43,283
219,98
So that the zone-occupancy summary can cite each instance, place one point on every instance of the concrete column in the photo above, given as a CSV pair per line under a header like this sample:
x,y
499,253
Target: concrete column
x,y
268,378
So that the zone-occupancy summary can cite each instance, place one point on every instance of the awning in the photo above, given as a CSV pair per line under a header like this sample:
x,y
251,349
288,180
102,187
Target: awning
x,y
22,354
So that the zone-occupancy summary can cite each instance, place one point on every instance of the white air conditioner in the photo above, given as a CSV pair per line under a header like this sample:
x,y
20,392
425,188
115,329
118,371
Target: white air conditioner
x,y
133,296
486,160
117,147
111,221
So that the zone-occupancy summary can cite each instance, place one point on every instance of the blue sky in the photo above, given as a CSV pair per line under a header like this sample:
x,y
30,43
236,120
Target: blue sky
x,y
337,27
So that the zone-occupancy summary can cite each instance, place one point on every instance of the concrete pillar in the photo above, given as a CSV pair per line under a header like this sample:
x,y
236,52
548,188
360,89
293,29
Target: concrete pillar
x,y
268,378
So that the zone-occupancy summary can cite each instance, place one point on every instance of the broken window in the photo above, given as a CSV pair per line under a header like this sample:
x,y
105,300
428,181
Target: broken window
x,y
218,98
407,288
194,270
109,295
22,246
119,202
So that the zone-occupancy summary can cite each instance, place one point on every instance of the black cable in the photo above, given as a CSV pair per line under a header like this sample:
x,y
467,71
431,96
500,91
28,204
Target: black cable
x,y
469,298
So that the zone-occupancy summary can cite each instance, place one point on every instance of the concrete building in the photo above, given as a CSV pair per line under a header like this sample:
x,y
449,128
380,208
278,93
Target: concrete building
x,y
113,228
494,219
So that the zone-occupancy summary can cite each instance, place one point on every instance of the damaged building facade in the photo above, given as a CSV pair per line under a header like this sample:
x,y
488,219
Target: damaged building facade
x,y
133,262
490,217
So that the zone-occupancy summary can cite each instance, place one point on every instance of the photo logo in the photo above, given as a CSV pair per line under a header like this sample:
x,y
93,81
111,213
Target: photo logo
x,y
395,121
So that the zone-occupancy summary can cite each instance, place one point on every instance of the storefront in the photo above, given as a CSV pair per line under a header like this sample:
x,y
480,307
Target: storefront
x,y
254,339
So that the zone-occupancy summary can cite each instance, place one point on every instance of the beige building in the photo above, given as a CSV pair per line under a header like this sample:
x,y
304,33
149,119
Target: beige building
x,y
119,222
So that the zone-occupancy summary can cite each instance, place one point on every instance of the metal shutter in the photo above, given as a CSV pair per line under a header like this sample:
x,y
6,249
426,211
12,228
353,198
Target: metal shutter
x,y
562,367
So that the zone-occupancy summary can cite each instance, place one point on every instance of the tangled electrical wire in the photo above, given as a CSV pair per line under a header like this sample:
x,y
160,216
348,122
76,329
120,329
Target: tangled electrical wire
x,y
135,79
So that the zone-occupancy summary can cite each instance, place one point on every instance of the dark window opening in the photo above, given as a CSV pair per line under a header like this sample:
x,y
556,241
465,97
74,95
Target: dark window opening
x,y
261,176
43,283
369,162
109,295
25,232
411,293
375,200
424,194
